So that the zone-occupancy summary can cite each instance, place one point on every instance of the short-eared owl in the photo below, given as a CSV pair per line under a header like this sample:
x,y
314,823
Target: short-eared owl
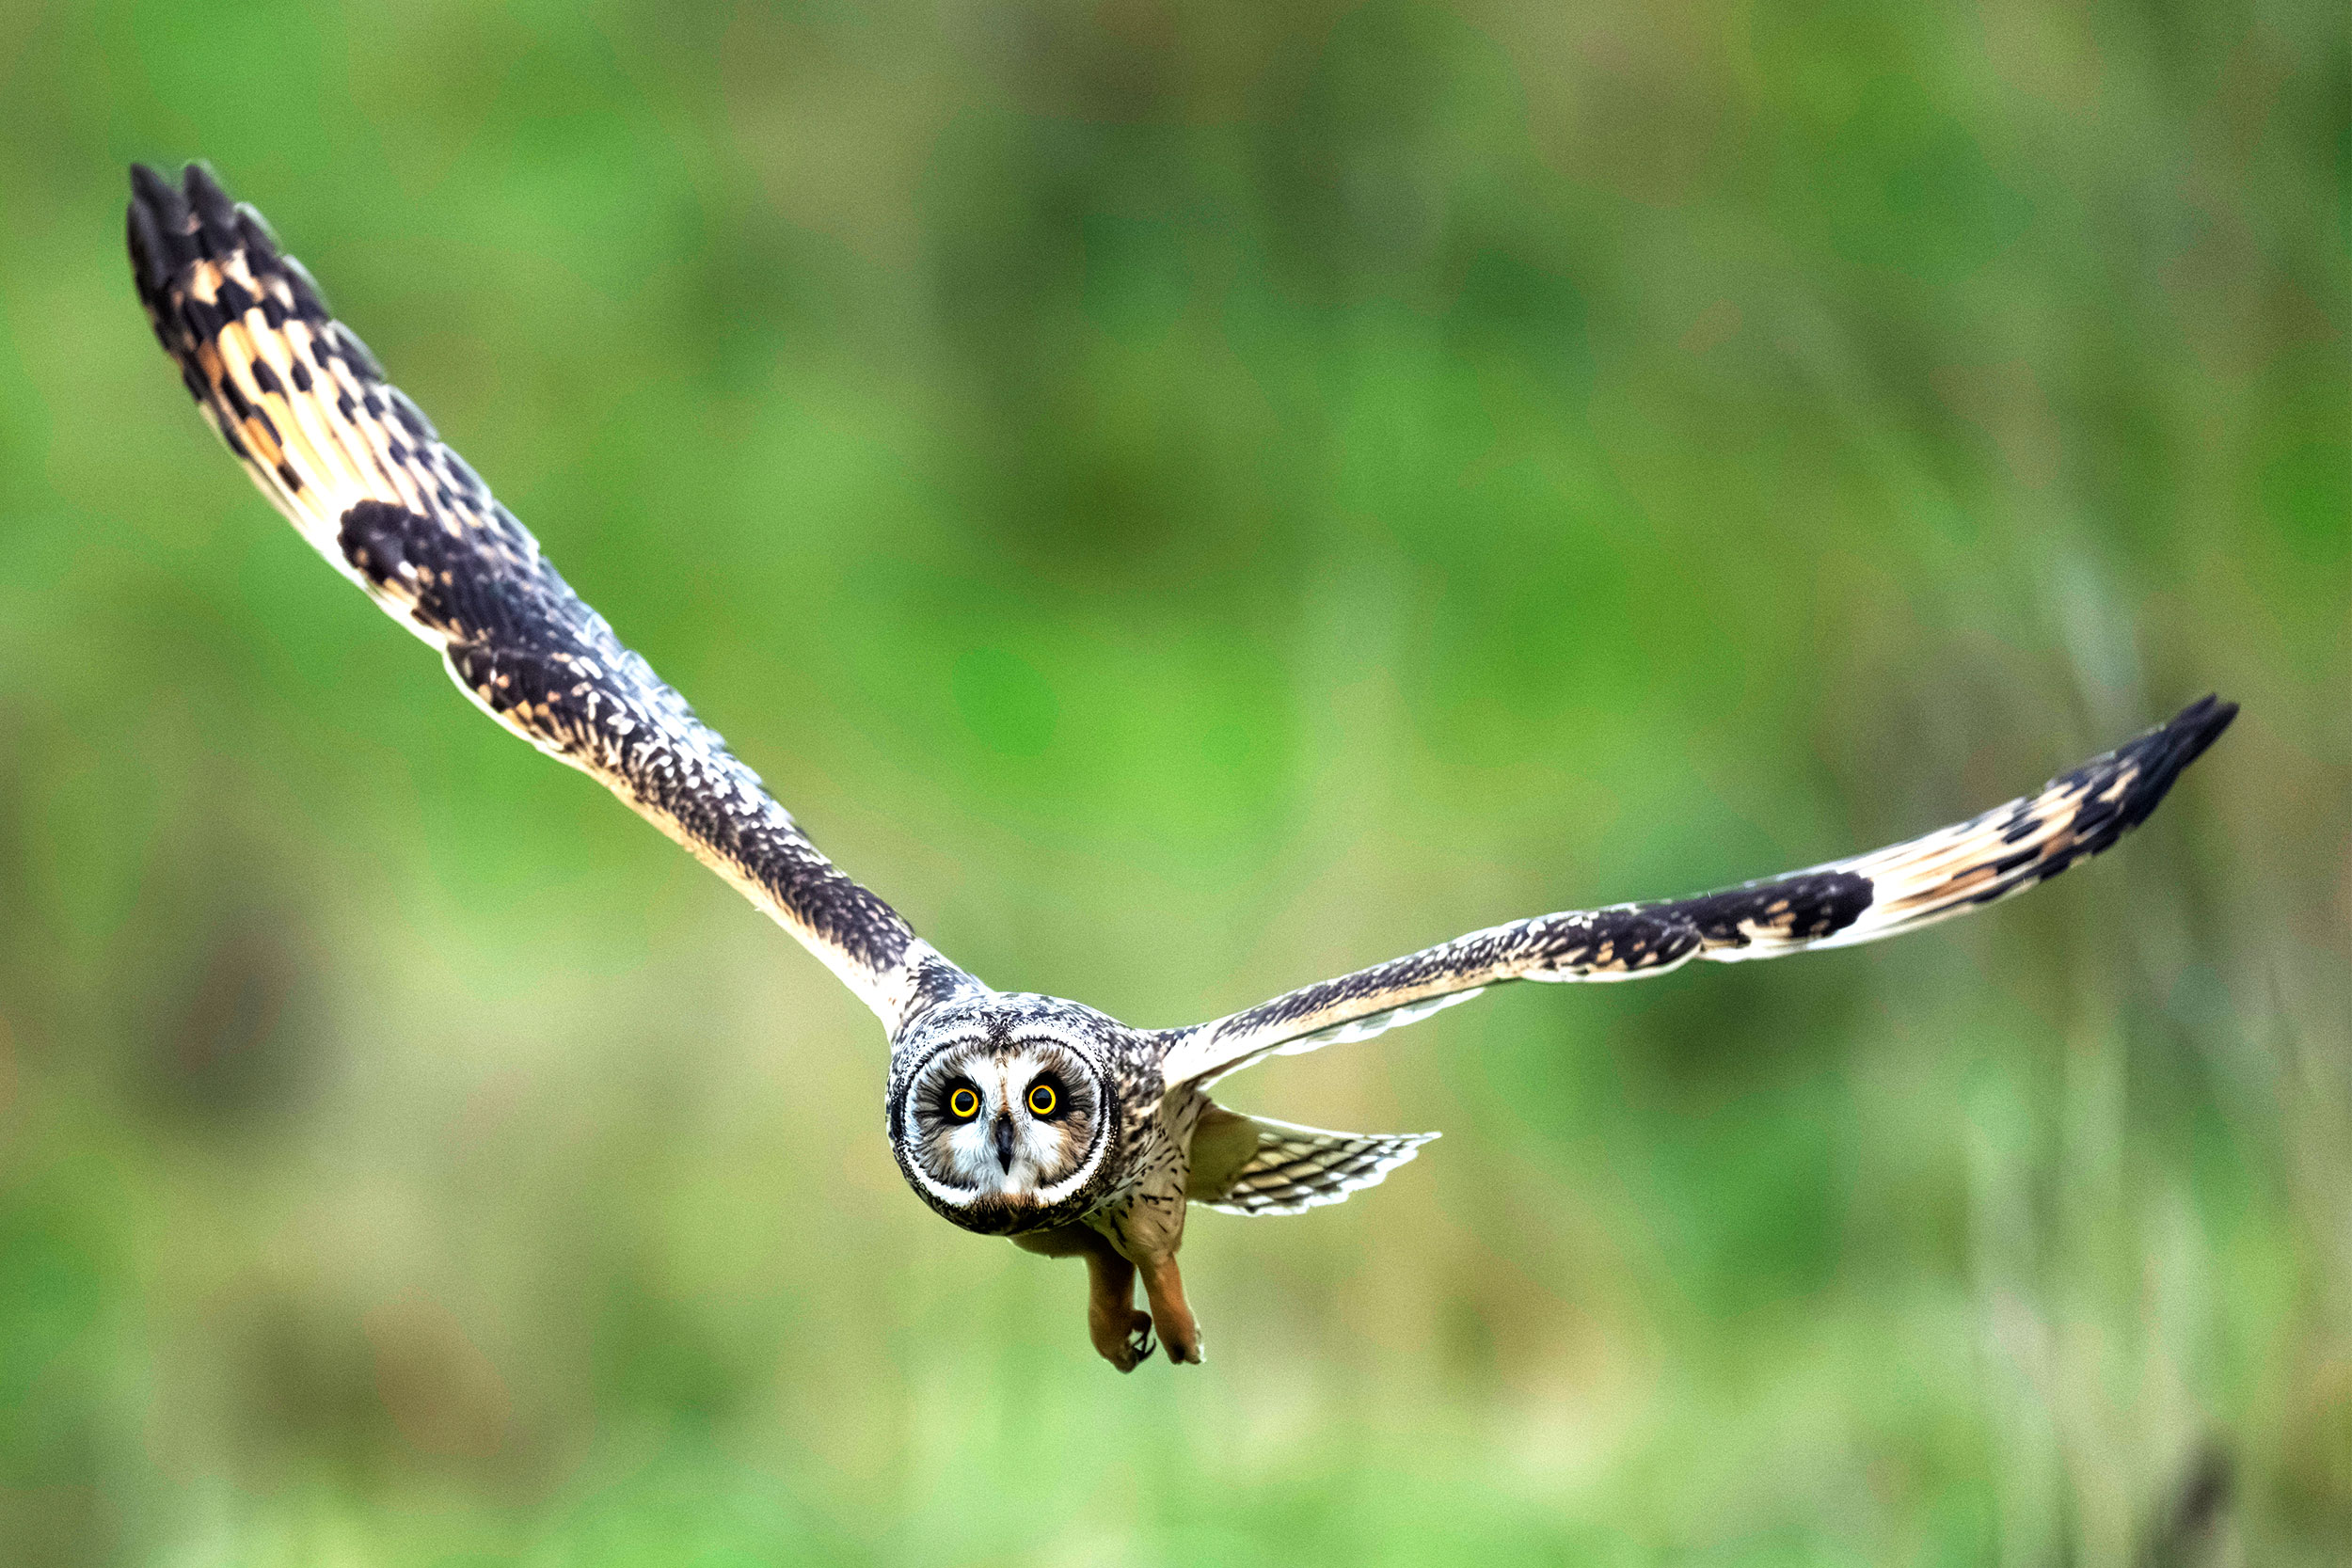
x,y
1012,1115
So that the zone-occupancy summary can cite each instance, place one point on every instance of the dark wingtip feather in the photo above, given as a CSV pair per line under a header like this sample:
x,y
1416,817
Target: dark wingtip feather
x,y
2165,750
212,203
151,189
171,228
156,225
260,239
172,225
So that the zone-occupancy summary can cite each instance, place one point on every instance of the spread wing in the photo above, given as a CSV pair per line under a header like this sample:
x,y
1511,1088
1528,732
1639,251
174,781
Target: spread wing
x,y
1979,862
362,474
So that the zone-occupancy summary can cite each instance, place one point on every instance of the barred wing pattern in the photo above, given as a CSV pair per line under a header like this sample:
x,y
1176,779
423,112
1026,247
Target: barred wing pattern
x,y
1987,858
362,473
1294,1169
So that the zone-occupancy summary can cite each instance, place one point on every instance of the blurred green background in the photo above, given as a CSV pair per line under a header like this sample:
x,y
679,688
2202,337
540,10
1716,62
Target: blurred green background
x,y
1185,500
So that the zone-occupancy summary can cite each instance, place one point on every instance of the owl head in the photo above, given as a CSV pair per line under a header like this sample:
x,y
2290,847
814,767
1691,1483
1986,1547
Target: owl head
x,y
1003,1113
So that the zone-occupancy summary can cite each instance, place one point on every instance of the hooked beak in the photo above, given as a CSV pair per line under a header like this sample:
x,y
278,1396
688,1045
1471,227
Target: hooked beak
x,y
1004,1142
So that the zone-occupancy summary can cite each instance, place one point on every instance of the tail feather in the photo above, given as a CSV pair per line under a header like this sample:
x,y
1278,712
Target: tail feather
x,y
1253,1165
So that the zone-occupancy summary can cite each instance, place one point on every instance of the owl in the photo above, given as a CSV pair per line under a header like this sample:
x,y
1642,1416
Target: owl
x,y
1026,1116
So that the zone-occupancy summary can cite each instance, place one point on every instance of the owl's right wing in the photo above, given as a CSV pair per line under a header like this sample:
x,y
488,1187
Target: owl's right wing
x,y
1987,858
363,476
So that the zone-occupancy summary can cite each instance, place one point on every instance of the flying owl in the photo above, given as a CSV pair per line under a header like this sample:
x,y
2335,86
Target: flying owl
x,y
1012,1115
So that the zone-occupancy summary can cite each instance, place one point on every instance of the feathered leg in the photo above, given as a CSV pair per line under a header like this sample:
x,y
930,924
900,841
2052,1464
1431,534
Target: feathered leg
x,y
1170,1314
1122,1334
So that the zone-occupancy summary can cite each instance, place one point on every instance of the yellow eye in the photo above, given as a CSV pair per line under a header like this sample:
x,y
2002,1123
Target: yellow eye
x,y
963,1104
1041,1099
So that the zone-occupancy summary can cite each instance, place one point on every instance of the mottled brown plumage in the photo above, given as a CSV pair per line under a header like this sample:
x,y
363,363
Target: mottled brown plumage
x,y
1015,1115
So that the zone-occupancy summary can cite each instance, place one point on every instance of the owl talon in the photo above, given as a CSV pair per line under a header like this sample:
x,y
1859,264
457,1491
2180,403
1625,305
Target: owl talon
x,y
1126,1350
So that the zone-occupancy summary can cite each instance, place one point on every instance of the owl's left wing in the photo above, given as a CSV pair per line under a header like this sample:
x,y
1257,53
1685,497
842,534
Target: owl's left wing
x,y
362,474
1987,858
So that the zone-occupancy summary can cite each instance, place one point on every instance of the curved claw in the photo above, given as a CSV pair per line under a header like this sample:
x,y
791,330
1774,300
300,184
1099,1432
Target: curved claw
x,y
1126,1349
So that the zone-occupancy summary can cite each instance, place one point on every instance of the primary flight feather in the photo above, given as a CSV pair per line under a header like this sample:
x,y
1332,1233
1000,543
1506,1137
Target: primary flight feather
x,y
1016,1115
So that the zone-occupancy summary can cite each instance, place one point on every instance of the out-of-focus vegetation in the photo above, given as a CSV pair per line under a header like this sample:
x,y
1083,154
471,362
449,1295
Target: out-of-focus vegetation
x,y
1185,500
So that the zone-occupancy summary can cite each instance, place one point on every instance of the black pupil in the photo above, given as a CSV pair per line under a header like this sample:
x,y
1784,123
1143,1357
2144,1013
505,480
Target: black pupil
x,y
963,1102
1041,1099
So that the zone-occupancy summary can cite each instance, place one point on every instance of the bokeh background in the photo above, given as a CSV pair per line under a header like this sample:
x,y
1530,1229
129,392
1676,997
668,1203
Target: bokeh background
x,y
1183,500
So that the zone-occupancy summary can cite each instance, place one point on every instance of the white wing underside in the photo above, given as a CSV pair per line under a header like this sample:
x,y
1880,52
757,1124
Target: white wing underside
x,y
1905,887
